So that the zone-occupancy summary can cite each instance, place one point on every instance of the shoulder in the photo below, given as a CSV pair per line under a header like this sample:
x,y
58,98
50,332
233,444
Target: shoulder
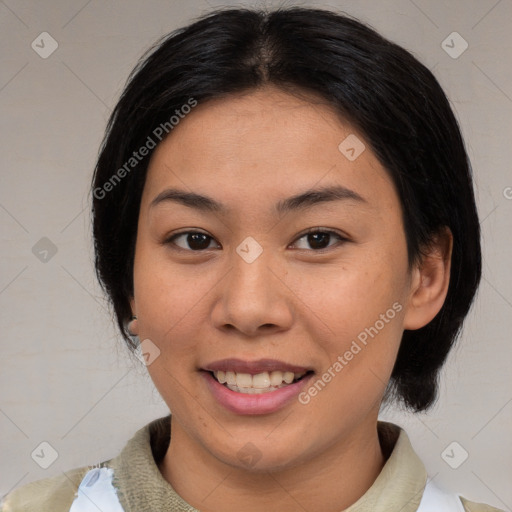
x,y
404,467
55,493
470,506
436,498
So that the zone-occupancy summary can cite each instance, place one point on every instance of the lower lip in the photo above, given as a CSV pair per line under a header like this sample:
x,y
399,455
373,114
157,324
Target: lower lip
x,y
262,403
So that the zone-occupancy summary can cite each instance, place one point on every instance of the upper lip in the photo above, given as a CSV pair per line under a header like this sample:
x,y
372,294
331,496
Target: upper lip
x,y
253,367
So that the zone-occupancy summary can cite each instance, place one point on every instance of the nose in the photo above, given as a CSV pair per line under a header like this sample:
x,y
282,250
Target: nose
x,y
254,298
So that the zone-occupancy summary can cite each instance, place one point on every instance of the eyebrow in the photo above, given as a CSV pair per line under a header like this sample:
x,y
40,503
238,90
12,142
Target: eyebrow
x,y
298,202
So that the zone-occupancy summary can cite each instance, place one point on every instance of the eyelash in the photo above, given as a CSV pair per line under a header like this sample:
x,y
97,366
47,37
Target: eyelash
x,y
342,239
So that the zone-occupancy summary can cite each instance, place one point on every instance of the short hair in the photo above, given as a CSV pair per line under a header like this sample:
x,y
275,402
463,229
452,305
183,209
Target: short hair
x,y
378,87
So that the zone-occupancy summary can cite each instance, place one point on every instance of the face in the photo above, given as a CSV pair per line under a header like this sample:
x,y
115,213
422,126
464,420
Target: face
x,y
258,289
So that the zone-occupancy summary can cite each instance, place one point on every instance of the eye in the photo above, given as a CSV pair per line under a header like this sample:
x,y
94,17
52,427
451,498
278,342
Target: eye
x,y
195,240
319,238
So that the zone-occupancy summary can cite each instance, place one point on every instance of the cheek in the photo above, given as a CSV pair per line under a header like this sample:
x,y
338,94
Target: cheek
x,y
364,314
169,302
354,295
362,306
169,310
165,292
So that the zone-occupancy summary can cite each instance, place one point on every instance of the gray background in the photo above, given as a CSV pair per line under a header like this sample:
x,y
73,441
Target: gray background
x,y
66,378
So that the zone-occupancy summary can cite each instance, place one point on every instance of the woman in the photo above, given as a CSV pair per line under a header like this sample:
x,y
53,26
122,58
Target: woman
x,y
285,224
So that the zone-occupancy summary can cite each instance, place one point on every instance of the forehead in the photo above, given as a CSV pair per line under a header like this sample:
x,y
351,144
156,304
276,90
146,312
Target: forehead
x,y
267,144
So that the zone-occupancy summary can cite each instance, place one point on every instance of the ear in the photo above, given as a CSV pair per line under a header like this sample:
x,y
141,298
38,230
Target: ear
x,y
429,281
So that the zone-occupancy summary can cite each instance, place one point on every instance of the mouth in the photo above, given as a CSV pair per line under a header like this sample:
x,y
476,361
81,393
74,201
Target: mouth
x,y
255,387
264,382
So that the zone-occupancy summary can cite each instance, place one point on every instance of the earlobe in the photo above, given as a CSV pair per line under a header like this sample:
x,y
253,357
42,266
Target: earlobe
x,y
133,326
430,281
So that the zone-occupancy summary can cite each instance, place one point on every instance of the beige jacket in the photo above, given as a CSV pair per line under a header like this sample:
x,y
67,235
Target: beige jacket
x,y
141,487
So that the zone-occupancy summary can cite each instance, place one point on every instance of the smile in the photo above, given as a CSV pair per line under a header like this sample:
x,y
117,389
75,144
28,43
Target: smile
x,y
264,386
264,382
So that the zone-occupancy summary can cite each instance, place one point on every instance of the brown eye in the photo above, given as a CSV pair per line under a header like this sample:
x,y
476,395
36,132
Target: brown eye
x,y
193,240
319,239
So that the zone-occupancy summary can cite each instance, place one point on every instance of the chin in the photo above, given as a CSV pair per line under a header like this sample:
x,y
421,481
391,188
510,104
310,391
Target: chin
x,y
260,456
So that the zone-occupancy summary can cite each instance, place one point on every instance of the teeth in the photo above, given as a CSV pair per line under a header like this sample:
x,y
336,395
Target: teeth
x,y
261,380
256,384
244,380
288,377
276,378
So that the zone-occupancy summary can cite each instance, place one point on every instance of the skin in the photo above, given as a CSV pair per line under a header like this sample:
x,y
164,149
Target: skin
x,y
293,303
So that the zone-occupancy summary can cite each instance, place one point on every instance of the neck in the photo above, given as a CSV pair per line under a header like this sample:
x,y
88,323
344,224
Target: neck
x,y
331,481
